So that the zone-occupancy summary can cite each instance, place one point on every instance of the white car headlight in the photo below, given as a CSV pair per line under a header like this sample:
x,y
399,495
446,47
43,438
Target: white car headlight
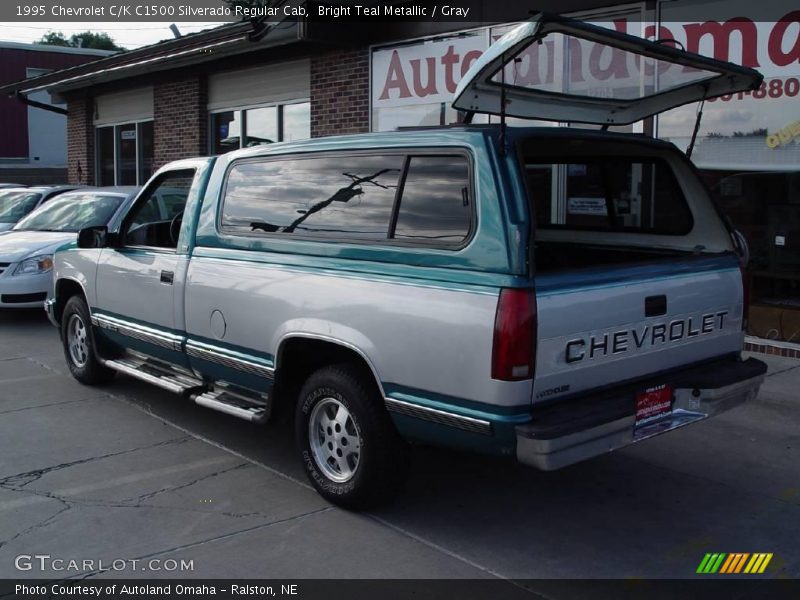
x,y
35,265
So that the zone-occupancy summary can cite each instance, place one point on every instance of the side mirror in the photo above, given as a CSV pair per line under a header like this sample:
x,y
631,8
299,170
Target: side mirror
x,y
93,237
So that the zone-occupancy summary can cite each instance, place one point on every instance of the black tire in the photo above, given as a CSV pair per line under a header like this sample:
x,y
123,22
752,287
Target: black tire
x,y
83,362
381,464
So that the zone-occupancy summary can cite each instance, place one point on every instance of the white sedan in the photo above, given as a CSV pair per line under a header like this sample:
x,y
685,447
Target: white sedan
x,y
26,252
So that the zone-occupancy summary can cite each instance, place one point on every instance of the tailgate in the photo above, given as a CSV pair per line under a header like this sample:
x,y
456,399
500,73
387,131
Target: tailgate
x,y
602,327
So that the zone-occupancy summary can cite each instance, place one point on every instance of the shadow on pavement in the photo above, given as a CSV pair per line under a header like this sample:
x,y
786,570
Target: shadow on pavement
x,y
23,317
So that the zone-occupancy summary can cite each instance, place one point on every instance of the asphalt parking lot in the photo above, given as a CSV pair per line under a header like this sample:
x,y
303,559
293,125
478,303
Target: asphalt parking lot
x,y
130,472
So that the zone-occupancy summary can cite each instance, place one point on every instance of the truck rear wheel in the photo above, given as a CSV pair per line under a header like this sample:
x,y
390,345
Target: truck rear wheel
x,y
350,449
79,346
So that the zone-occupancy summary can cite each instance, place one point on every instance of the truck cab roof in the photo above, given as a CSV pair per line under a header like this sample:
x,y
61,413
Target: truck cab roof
x,y
447,135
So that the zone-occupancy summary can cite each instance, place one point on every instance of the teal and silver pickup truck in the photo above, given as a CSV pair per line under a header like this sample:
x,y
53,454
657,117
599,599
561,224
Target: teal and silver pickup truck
x,y
546,293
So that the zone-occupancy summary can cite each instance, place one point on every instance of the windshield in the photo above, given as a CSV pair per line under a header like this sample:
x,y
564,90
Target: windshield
x,y
72,212
15,205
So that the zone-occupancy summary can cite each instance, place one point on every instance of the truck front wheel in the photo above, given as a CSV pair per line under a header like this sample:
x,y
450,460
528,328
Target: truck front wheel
x,y
79,346
350,449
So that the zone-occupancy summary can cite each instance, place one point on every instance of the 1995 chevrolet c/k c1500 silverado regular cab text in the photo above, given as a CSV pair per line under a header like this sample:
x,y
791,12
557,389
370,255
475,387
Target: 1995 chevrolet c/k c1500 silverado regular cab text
x,y
550,293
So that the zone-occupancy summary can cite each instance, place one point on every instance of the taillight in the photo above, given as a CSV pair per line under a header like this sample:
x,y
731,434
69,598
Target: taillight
x,y
745,297
514,348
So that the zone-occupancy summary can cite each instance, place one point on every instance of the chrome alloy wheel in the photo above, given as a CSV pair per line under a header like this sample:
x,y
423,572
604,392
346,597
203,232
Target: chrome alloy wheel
x,y
77,340
334,439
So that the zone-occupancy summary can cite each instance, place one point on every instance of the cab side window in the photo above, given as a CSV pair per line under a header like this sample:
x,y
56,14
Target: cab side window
x,y
435,203
421,199
322,197
156,219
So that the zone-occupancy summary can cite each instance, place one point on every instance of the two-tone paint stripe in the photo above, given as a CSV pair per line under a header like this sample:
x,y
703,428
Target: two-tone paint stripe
x,y
734,563
157,337
220,356
171,341
254,366
441,417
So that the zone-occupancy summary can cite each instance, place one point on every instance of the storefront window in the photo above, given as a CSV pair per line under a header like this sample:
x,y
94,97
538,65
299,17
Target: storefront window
x,y
413,84
105,156
296,121
747,146
765,207
145,139
741,133
388,119
124,153
262,126
226,131
235,129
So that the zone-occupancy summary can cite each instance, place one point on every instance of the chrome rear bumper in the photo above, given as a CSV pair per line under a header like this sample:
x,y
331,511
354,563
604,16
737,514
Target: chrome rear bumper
x,y
547,447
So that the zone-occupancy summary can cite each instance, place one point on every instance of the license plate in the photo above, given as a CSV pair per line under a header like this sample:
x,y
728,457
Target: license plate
x,y
652,403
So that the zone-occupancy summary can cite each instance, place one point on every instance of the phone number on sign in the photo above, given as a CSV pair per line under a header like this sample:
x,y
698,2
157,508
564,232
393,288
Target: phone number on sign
x,y
769,88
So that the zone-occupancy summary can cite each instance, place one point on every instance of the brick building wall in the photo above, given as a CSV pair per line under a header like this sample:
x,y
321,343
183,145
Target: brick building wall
x,y
340,92
180,124
80,142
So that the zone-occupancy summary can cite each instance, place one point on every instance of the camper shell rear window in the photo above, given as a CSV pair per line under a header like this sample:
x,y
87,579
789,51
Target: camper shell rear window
x,y
611,193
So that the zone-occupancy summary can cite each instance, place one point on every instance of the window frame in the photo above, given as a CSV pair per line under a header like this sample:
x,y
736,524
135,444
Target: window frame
x,y
405,154
279,120
144,196
115,137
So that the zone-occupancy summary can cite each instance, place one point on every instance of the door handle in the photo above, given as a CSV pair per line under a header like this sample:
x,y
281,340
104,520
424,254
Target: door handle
x,y
167,277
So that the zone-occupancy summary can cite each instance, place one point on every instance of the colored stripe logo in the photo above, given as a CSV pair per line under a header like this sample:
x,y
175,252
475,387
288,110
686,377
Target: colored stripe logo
x,y
734,563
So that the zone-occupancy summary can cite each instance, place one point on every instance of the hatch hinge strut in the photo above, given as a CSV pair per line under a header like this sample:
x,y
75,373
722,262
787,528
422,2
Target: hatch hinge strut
x,y
696,129
503,106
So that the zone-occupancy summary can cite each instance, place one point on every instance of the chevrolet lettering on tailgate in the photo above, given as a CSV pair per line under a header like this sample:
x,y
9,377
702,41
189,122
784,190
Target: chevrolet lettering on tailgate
x,y
644,337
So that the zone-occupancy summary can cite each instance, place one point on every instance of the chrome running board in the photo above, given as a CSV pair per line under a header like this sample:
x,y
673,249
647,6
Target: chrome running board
x,y
155,373
220,396
242,405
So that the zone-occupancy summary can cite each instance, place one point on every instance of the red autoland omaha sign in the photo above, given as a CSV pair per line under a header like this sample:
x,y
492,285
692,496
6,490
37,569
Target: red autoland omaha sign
x,y
428,72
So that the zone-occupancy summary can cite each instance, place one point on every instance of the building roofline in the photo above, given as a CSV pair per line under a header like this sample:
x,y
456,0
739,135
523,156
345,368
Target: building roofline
x,y
34,47
193,48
